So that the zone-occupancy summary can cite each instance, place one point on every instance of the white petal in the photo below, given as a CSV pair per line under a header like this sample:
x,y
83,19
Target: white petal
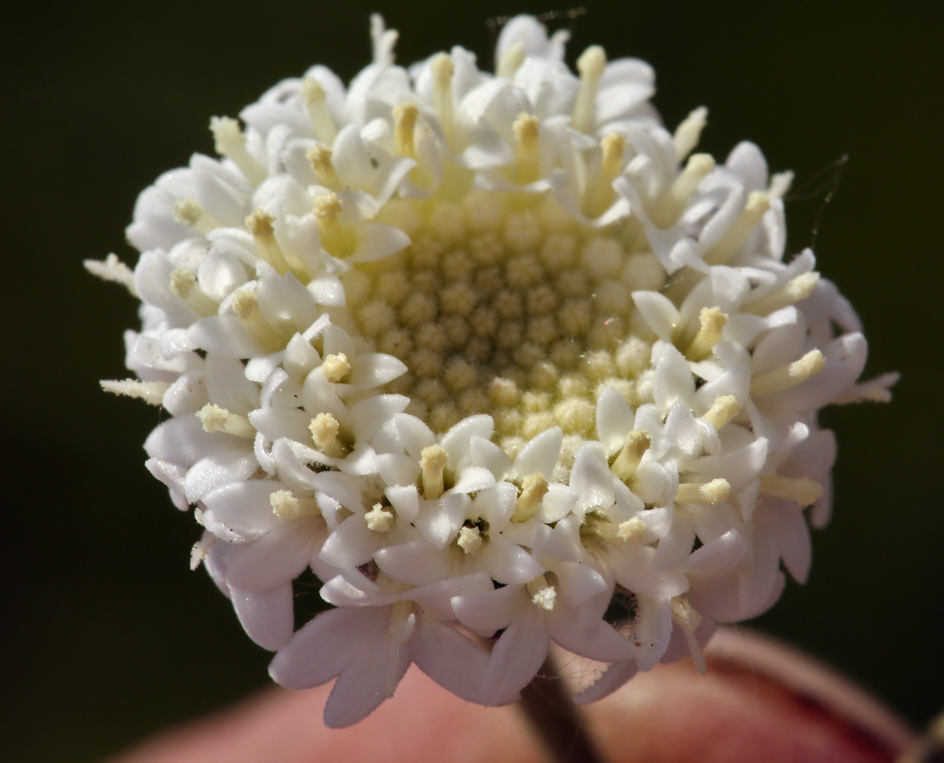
x,y
277,557
457,441
591,479
719,555
516,658
615,677
614,419
661,315
322,648
244,507
539,456
266,615
452,660
351,544
508,563
414,563
372,369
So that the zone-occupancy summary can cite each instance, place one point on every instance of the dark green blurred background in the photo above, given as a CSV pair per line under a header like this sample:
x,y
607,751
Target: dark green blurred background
x,y
108,635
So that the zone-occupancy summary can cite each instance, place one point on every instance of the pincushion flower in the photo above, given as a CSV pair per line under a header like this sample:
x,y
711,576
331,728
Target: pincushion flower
x,y
495,356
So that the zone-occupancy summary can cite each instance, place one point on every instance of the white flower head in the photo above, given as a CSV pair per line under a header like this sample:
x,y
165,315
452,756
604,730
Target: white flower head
x,y
489,354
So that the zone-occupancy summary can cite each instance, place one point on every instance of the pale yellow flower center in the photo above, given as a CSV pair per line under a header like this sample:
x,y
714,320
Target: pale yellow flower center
x,y
504,305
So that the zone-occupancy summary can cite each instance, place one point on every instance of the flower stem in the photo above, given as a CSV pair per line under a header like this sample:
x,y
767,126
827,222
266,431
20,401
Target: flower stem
x,y
556,719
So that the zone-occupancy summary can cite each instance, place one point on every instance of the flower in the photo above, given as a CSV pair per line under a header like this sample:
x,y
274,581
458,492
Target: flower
x,y
497,358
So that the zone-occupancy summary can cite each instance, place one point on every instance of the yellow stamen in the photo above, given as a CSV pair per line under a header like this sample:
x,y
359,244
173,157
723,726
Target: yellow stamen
x,y
789,376
632,530
591,64
287,506
688,620
533,489
634,447
725,408
793,291
712,322
379,519
327,209
185,286
217,419
601,192
320,158
442,70
246,308
526,129
433,462
336,367
542,594
114,270
703,493
231,143
314,96
259,224
673,202
758,203
324,430
150,392
688,132
470,539
189,212
511,60
405,116
803,490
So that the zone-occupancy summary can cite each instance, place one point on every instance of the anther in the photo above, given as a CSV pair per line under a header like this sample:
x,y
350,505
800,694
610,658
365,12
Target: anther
x,y
336,367
632,530
758,203
189,212
591,64
259,224
470,539
231,143
246,307
601,192
114,270
150,392
320,157
803,490
433,460
383,40
405,116
533,489
442,70
673,202
327,208
379,519
200,549
324,430
793,291
511,60
703,493
184,285
287,506
790,375
314,96
724,409
634,447
712,322
688,620
542,594
217,419
526,128
688,132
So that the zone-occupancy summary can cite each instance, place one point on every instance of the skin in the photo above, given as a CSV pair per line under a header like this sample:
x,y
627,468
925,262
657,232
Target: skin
x,y
759,701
